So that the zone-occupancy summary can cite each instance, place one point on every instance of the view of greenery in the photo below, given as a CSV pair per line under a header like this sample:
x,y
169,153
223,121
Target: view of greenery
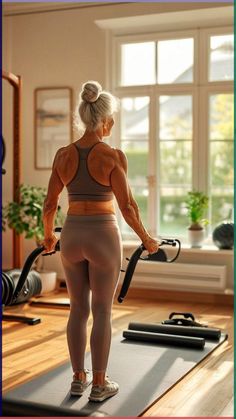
x,y
176,173
175,156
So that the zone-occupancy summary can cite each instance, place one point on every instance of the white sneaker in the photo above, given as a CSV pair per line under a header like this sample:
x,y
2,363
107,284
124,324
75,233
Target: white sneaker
x,y
79,386
100,393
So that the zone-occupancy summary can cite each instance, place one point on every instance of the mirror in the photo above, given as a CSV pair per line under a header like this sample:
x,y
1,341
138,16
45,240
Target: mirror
x,y
12,251
53,123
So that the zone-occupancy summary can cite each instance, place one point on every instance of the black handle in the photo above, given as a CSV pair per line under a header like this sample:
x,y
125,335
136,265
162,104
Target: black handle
x,y
172,242
27,266
129,272
136,256
186,315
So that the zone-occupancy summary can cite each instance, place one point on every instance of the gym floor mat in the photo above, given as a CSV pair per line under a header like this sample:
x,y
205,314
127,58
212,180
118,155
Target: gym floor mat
x,y
144,371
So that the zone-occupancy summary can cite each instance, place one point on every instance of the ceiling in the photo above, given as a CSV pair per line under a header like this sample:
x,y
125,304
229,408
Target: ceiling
x,y
10,8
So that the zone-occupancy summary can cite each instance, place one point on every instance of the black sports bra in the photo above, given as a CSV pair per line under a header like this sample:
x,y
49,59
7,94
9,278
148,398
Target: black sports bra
x,y
83,187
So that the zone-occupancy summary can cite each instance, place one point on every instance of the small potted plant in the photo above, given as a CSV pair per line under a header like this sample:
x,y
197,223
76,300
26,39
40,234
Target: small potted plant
x,y
196,204
27,217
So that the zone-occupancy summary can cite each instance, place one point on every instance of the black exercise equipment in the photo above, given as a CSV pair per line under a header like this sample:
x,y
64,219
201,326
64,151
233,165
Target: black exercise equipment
x,y
164,339
17,408
223,235
202,332
10,280
159,256
3,155
178,331
182,321
32,286
19,286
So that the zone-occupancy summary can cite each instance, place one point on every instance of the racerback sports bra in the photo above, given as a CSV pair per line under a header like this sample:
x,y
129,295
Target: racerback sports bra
x,y
83,187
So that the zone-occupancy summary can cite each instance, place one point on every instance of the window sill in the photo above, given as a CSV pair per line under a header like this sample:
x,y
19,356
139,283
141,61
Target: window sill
x,y
185,248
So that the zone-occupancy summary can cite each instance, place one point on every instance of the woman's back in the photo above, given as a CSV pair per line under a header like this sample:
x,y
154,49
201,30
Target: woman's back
x,y
100,161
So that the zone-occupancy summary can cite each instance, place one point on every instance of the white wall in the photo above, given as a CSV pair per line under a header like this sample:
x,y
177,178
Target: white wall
x,y
58,48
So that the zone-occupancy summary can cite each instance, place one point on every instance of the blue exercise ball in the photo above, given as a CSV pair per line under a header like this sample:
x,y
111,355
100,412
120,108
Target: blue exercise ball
x,y
223,235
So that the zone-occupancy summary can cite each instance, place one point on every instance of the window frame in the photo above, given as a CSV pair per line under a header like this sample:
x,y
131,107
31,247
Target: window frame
x,y
200,89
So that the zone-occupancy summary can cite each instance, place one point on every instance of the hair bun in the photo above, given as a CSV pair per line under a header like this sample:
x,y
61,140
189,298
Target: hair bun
x,y
91,91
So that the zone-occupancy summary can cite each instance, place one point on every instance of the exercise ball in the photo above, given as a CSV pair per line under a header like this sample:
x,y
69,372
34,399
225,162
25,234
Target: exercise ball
x,y
223,235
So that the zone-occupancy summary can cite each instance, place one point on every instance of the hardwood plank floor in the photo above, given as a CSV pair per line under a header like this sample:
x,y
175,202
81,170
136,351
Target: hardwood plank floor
x,y
29,351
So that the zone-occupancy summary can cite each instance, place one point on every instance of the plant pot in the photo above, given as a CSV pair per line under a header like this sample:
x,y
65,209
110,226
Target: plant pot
x,y
196,237
49,281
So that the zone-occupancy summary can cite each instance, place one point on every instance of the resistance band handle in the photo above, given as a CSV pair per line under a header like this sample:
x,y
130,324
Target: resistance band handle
x,y
133,262
173,243
27,266
186,315
129,272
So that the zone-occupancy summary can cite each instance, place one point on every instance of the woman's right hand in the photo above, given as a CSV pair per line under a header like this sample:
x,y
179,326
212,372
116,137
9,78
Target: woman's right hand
x,y
151,245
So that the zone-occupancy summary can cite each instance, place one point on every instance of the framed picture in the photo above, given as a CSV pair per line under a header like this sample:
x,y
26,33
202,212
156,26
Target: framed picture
x,y
53,123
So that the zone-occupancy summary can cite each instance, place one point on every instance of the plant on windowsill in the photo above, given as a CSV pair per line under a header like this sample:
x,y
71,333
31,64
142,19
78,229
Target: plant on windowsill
x,y
196,204
27,217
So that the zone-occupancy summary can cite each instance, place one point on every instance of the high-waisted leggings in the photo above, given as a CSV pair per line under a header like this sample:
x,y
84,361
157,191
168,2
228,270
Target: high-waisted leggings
x,y
91,256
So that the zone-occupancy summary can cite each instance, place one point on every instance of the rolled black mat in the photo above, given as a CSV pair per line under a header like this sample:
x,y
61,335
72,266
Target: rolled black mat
x,y
165,339
19,408
201,332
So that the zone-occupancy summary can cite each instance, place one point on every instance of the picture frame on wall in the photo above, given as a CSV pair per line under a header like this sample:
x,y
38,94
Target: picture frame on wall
x,y
52,123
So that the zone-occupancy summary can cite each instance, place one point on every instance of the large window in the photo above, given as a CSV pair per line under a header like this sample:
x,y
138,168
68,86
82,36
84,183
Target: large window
x,y
176,123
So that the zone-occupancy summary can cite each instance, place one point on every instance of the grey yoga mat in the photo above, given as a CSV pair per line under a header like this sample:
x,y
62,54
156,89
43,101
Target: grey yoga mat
x,y
145,372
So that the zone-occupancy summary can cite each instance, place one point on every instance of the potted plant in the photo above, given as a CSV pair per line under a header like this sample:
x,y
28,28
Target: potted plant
x,y
196,204
27,217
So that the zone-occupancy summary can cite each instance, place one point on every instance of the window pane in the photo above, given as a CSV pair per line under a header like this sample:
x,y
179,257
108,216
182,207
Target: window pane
x,y
140,194
221,117
135,118
175,61
175,162
138,64
221,58
137,155
221,203
222,163
173,218
175,118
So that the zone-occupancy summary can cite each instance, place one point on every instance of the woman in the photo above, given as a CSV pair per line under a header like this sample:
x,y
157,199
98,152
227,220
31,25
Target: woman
x,y
93,172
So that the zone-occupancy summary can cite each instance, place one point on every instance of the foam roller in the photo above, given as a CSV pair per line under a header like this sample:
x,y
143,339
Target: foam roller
x,y
164,339
201,332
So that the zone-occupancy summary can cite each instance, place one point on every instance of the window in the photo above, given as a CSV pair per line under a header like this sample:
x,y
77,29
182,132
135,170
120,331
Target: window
x,y
221,156
176,123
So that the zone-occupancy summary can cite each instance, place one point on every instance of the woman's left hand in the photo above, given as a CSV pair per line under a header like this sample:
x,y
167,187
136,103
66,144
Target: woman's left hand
x,y
49,243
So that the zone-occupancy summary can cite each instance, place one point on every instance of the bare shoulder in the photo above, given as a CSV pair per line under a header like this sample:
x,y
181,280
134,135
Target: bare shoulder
x,y
118,155
63,152
120,159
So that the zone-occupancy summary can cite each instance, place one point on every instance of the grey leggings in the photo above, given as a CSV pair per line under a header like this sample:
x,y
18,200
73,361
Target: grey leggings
x,y
91,257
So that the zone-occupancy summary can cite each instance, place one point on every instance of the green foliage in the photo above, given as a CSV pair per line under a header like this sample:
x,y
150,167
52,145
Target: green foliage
x,y
196,203
137,163
27,215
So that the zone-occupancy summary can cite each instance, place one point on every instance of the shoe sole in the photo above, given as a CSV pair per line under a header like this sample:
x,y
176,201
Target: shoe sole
x,y
74,393
80,393
102,398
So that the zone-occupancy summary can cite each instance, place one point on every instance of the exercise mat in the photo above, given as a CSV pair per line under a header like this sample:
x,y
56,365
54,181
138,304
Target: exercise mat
x,y
165,339
144,371
202,332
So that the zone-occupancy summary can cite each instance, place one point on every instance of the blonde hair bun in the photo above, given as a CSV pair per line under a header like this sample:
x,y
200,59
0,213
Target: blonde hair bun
x,y
91,91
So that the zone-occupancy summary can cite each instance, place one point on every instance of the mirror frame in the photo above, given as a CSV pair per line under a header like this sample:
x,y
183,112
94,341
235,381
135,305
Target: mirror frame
x,y
16,82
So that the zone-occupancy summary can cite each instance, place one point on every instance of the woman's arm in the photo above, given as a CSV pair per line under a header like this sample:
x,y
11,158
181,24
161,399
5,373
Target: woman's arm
x,y
55,187
127,203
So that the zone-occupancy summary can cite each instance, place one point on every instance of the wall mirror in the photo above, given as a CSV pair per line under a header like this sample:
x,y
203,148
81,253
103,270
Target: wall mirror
x,y
53,123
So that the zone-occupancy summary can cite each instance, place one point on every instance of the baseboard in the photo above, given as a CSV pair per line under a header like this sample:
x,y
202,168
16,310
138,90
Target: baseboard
x,y
167,295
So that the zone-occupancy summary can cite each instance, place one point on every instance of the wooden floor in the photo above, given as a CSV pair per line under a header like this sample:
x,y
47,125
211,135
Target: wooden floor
x,y
29,351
